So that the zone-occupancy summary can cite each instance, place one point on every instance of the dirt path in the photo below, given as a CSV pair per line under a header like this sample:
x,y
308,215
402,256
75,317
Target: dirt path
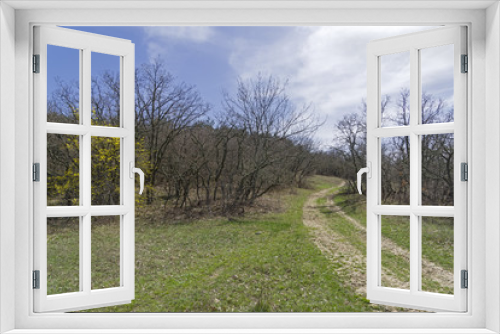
x,y
353,262
338,249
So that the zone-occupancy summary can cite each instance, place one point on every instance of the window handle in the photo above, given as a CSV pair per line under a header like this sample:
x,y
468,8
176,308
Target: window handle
x,y
368,171
134,170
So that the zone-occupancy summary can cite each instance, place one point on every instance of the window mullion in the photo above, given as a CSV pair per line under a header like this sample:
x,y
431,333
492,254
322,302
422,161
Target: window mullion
x,y
86,174
81,185
415,252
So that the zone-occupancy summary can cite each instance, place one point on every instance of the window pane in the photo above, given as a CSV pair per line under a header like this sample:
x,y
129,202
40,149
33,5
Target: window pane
x,y
437,169
63,255
105,252
436,66
395,89
105,89
395,251
395,155
63,170
63,84
105,171
437,254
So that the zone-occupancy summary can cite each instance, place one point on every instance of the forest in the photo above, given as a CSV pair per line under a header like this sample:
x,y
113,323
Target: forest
x,y
201,159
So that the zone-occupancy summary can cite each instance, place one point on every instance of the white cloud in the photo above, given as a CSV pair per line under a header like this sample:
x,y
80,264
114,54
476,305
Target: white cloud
x,y
324,65
159,38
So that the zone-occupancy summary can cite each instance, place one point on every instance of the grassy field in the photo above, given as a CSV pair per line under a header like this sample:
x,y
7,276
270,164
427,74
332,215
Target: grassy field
x,y
263,262
259,263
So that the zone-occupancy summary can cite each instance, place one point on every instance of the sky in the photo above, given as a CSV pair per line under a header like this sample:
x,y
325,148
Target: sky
x,y
325,66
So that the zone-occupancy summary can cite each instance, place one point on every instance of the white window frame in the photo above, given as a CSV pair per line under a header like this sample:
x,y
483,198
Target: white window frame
x,y
483,20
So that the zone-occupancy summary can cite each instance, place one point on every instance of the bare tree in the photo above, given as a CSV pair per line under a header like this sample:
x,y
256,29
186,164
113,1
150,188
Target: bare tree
x,y
164,109
396,113
106,99
349,151
257,142
267,121
350,144
63,104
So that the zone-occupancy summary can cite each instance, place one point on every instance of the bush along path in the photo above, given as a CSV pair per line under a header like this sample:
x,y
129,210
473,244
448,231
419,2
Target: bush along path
x,y
342,239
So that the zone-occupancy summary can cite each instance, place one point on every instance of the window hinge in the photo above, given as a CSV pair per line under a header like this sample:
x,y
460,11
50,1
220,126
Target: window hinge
x,y
465,64
464,171
36,63
36,279
36,172
465,279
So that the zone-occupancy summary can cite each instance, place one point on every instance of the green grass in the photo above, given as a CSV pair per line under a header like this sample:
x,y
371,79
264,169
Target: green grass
x,y
62,255
396,229
259,263
352,204
320,182
395,266
105,247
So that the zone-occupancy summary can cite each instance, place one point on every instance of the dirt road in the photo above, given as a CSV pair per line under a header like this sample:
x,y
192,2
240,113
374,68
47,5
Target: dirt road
x,y
339,249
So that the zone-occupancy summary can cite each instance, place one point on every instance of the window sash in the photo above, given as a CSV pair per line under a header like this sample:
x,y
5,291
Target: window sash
x,y
86,297
414,298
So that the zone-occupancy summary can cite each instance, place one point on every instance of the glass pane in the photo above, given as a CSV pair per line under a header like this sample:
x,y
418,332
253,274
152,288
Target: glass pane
x,y
395,182
437,169
63,170
395,251
105,252
437,254
63,255
395,89
436,66
105,89
105,171
63,84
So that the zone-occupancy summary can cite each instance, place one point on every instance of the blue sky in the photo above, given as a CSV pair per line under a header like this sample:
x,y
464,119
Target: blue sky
x,y
325,66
